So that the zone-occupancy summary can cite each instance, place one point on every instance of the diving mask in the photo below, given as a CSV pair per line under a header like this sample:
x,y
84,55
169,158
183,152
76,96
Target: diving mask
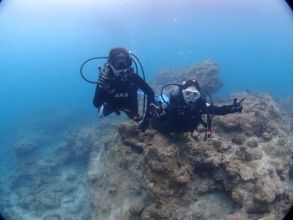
x,y
120,67
191,95
120,64
119,72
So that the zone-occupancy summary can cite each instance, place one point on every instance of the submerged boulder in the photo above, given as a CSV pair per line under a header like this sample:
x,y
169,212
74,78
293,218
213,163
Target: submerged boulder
x,y
206,73
25,147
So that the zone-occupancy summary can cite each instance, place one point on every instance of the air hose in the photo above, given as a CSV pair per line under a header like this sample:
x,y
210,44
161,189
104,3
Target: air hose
x,y
84,63
133,57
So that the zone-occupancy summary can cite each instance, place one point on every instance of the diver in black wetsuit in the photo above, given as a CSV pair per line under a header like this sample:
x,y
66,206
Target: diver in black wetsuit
x,y
185,108
117,88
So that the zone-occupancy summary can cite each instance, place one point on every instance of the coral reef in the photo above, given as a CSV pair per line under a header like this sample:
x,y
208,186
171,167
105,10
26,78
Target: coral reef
x,y
242,173
105,171
206,73
287,113
111,170
52,186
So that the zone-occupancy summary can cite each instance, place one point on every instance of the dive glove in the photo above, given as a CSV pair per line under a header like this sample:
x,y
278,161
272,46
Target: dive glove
x,y
237,106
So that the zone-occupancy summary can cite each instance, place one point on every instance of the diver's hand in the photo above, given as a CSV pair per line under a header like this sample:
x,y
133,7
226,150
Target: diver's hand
x,y
153,108
143,125
103,84
237,106
161,115
157,110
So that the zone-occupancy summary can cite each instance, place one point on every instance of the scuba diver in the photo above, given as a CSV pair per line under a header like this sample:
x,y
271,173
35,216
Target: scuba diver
x,y
185,107
117,88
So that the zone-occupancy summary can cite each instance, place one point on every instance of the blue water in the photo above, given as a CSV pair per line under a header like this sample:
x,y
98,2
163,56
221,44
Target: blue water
x,y
43,43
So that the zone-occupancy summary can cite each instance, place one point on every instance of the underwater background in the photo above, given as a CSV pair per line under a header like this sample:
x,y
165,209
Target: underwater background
x,y
43,44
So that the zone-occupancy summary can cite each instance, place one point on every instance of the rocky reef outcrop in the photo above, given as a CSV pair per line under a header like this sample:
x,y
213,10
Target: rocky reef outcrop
x,y
111,170
206,73
25,147
243,172
53,186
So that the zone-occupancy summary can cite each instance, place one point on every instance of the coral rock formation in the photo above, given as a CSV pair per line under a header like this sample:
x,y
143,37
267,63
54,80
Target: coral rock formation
x,y
24,148
117,172
242,173
206,73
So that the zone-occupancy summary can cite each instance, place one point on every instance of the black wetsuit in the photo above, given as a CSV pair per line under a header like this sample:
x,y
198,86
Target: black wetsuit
x,y
179,117
122,94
